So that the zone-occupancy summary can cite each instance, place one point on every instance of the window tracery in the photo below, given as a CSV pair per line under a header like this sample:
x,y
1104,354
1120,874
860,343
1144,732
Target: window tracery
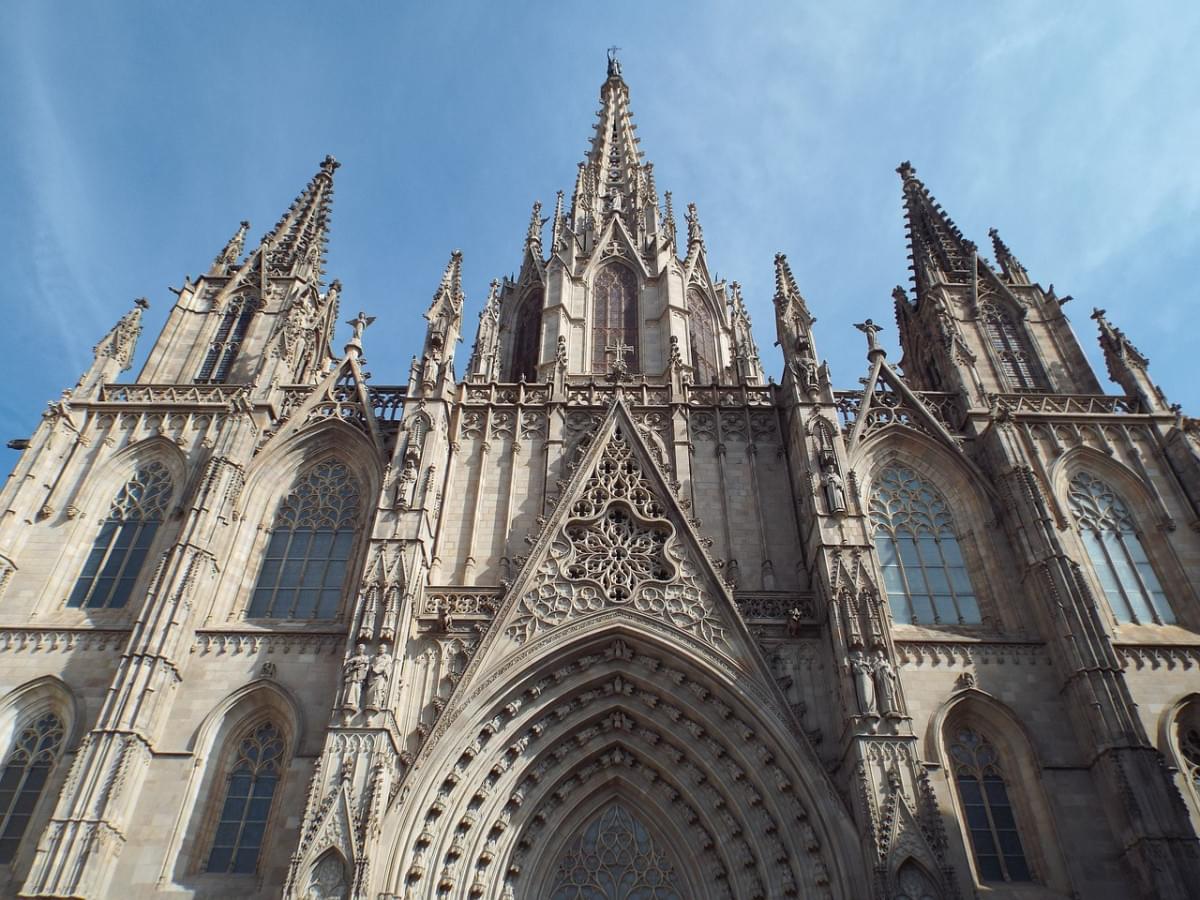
x,y
328,879
231,332
1189,749
615,858
26,770
126,534
702,335
525,339
995,839
304,569
246,803
1016,359
1116,552
914,884
923,568
614,317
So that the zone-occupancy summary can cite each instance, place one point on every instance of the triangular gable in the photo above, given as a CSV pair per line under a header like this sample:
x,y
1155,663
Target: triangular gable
x,y
615,242
342,396
620,543
888,398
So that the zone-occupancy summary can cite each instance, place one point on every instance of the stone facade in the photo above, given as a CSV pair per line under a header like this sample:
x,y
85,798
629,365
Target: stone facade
x,y
608,586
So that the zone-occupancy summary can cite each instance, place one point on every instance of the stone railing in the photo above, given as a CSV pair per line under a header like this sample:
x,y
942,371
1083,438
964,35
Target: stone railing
x,y
463,604
1069,404
172,394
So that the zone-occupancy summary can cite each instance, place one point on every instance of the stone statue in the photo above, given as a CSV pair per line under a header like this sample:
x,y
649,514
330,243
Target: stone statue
x,y
381,674
354,673
835,490
886,688
864,683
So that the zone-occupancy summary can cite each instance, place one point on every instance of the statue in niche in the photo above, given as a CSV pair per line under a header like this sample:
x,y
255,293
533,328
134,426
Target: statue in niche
x,y
886,687
834,487
864,683
381,674
354,673
805,366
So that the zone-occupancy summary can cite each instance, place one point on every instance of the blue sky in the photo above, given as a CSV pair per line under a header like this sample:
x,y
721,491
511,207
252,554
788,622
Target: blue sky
x,y
138,134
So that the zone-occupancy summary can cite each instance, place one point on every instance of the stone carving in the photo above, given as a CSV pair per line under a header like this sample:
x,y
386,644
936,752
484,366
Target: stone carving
x,y
864,683
616,549
886,687
354,674
381,674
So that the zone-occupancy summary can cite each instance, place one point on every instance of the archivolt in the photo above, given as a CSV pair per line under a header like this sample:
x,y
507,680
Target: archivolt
x,y
730,779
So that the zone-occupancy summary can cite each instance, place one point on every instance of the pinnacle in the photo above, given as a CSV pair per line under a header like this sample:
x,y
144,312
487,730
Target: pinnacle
x,y
935,242
785,282
299,236
1009,264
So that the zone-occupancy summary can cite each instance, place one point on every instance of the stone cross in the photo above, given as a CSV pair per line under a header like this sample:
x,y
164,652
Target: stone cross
x,y
616,351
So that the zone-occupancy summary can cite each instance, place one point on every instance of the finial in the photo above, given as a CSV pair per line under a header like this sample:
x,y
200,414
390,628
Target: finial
x,y
695,233
329,165
906,170
142,302
870,329
533,236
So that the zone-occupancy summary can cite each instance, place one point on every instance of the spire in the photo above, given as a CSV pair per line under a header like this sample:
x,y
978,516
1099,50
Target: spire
x,y
533,237
695,232
1013,271
938,250
227,259
297,242
557,227
793,324
1126,364
486,354
612,177
445,325
745,350
114,353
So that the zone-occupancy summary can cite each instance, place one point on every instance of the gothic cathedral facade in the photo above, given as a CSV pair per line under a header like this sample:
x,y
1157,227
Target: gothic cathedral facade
x,y
602,611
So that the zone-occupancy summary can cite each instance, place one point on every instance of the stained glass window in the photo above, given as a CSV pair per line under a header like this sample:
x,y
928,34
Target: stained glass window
x,y
702,335
25,772
226,343
614,317
995,841
120,549
247,803
304,570
525,338
923,568
1116,552
1016,360
615,858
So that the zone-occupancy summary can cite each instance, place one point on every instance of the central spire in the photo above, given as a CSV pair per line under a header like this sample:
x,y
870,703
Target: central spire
x,y
613,177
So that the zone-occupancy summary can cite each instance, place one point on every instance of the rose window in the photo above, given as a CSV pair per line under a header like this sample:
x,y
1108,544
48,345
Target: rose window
x,y
618,552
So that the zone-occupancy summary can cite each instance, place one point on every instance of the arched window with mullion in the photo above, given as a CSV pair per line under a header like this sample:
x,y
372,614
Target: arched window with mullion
x,y
990,819
126,534
702,336
615,319
1017,361
26,770
246,802
923,568
224,347
1116,553
308,554
526,336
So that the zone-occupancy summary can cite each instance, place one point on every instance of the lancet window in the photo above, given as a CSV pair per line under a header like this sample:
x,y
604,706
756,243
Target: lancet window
x,y
304,570
615,319
923,568
525,339
120,549
328,878
995,839
1116,552
32,757
231,331
914,884
246,802
615,858
1016,359
702,335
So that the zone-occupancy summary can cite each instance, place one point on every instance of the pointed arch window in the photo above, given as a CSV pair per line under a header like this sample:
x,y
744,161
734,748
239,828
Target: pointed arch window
x,y
120,549
304,570
1116,552
615,858
525,343
702,336
914,884
615,318
1016,359
923,568
995,840
328,878
26,770
246,802
1187,738
231,332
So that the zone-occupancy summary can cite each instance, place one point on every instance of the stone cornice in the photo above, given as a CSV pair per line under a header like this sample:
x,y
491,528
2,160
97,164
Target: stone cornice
x,y
953,653
216,642
65,639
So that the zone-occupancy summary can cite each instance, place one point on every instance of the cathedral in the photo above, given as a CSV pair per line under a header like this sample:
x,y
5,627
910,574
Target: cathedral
x,y
601,610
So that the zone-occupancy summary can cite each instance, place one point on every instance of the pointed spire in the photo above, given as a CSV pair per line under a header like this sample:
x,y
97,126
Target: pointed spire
x,y
1013,271
533,236
1127,366
745,349
121,340
296,245
227,259
669,218
695,232
793,325
445,317
938,250
485,355
1115,344
556,228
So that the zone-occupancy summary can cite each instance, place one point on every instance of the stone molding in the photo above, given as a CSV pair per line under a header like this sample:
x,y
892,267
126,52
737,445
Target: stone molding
x,y
968,653
64,639
234,642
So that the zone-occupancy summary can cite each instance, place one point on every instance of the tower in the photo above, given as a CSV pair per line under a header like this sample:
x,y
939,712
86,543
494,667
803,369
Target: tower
x,y
600,603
